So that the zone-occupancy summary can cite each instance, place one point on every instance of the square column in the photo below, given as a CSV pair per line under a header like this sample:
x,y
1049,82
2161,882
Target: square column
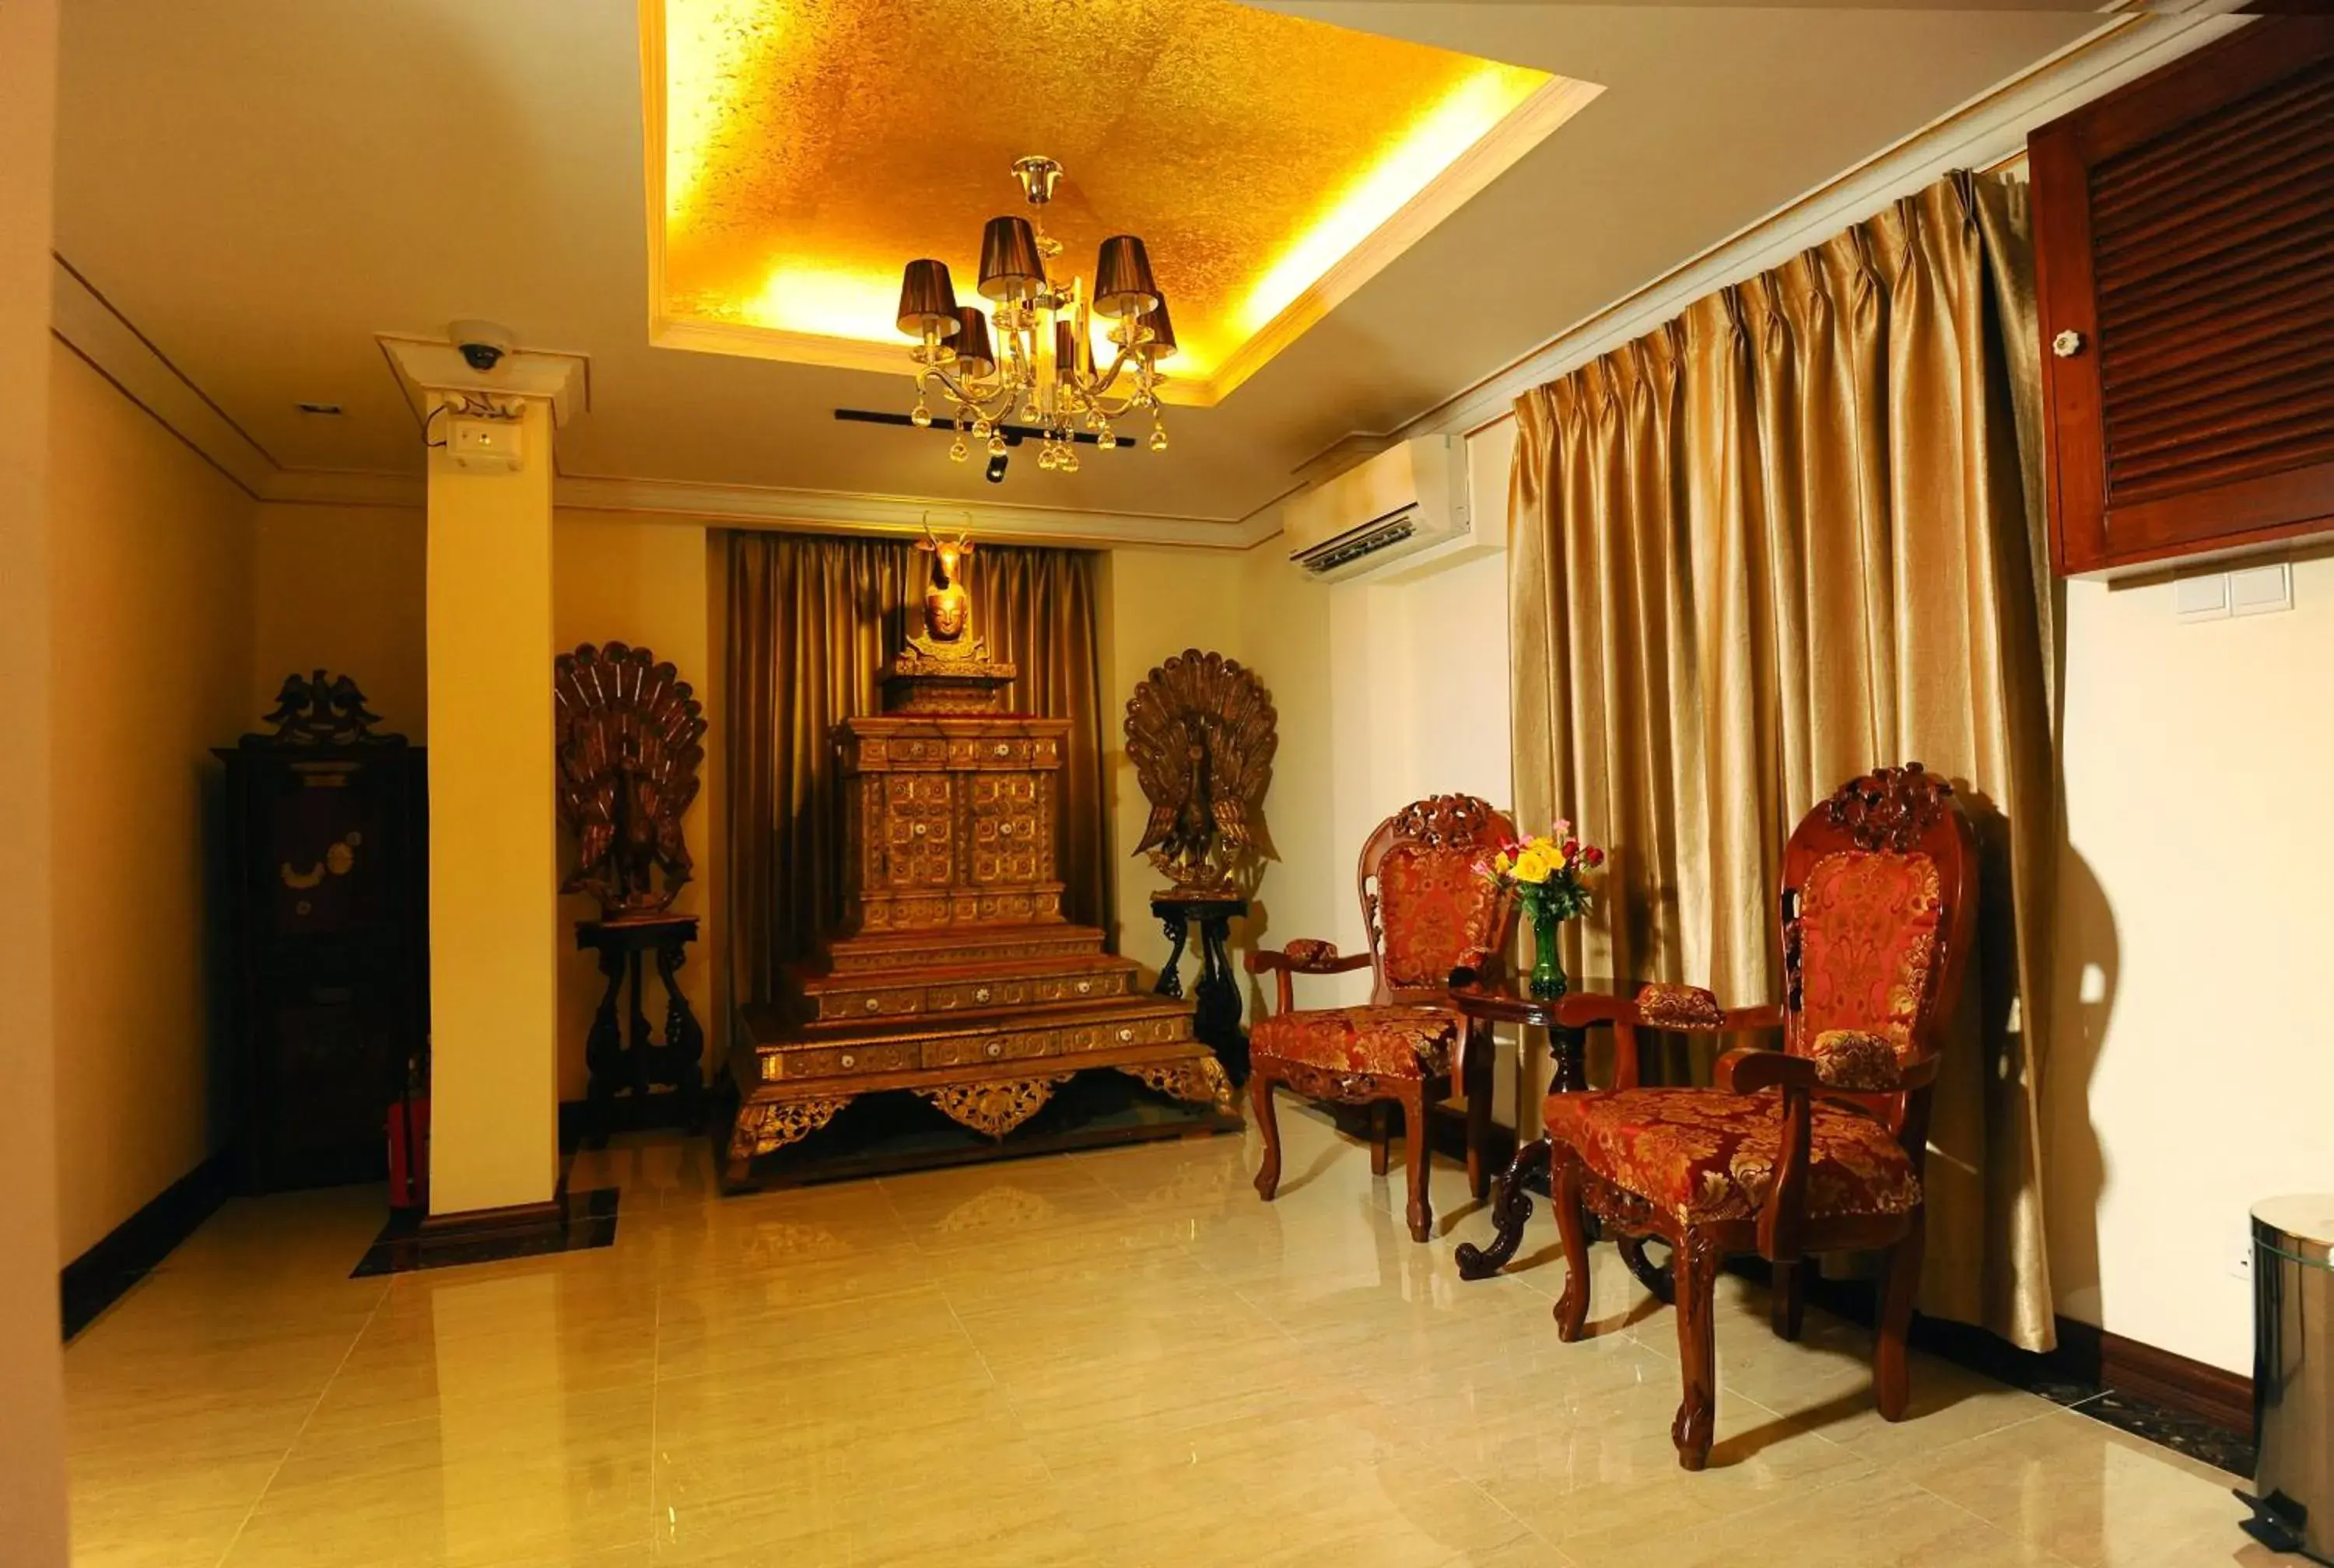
x,y
494,871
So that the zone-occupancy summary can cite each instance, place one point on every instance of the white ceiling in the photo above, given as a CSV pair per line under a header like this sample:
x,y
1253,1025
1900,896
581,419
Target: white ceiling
x,y
263,186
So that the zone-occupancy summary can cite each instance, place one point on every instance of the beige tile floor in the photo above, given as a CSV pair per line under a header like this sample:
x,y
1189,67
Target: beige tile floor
x,y
1118,1357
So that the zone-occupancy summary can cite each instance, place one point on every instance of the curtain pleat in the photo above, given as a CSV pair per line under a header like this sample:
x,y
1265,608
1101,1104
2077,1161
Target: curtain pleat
x,y
1787,537
813,619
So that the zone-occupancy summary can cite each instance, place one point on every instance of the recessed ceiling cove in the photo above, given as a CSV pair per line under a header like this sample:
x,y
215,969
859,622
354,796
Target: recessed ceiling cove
x,y
801,151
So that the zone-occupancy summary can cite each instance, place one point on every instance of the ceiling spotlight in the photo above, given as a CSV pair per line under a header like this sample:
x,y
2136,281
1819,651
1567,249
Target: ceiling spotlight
x,y
997,469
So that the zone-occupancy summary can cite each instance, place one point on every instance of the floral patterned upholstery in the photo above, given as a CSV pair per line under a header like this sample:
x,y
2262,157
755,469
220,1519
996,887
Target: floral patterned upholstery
x,y
1678,1007
1390,1042
1307,953
1867,936
1857,1062
1433,910
1703,1155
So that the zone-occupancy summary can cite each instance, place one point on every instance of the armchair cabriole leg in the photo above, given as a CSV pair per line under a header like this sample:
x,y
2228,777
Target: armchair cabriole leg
x,y
1903,1283
1380,1138
1785,1305
1696,1262
1572,1224
1267,1127
1414,1149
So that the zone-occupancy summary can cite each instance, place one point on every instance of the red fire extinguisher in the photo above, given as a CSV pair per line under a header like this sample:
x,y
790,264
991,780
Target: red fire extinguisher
x,y
409,1144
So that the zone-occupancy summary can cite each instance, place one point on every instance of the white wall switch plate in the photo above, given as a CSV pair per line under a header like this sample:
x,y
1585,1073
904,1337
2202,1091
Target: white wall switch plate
x,y
2260,590
2205,597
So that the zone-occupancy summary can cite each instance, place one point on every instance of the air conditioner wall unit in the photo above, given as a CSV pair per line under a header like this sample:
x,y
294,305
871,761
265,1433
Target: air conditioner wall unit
x,y
1408,498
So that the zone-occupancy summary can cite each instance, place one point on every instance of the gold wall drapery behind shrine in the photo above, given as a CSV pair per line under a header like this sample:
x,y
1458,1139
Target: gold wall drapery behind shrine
x,y
1791,536
813,619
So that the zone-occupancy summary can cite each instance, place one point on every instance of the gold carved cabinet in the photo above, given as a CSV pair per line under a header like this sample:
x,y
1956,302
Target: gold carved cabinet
x,y
953,974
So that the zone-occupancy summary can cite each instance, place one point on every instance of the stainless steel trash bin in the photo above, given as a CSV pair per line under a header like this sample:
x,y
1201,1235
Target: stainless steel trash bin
x,y
2293,1373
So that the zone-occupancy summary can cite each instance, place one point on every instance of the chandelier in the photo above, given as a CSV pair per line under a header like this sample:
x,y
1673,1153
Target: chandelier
x,y
1033,353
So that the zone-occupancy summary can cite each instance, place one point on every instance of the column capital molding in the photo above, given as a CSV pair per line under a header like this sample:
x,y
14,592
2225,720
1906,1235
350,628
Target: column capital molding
x,y
429,370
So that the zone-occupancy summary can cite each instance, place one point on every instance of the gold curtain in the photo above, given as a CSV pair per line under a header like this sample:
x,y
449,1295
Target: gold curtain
x,y
1789,537
812,621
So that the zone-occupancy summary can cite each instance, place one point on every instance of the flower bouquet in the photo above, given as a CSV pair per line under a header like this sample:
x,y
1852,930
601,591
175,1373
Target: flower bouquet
x,y
1544,874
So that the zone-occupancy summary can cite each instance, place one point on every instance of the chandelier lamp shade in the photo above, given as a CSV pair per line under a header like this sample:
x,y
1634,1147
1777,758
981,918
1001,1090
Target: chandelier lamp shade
x,y
1031,356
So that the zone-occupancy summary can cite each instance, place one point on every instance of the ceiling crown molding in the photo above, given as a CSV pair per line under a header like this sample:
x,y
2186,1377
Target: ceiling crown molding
x,y
1988,130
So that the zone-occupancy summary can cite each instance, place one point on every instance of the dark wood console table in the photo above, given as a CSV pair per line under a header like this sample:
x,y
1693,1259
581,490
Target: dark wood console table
x,y
677,1060
1566,1019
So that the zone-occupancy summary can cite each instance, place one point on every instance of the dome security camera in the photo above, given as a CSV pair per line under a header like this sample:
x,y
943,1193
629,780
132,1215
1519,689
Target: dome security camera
x,y
483,344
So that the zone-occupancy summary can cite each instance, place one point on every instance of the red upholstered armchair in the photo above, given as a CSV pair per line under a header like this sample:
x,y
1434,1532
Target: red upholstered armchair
x,y
1818,1147
1427,912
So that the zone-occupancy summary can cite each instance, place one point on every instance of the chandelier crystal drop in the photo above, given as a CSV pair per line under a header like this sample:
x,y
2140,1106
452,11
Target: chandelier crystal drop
x,y
1033,349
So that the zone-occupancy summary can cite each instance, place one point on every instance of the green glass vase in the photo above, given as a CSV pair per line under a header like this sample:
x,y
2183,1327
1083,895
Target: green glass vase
x,y
1548,980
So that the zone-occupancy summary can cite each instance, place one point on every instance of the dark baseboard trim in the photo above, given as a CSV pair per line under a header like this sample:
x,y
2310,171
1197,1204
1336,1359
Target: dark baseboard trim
x,y
2203,1392
516,1217
101,1276
568,1222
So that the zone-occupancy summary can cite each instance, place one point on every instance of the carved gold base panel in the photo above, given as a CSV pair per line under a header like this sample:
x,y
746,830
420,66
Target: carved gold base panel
x,y
995,1099
1200,1080
767,1128
996,1107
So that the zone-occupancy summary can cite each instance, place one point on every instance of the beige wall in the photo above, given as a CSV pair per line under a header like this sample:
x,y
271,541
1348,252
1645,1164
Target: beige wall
x,y
340,588
32,1371
152,595
2193,1071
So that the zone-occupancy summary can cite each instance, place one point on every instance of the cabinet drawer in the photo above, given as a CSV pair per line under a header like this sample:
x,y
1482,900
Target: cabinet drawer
x,y
988,1048
836,1006
846,1060
973,996
1078,988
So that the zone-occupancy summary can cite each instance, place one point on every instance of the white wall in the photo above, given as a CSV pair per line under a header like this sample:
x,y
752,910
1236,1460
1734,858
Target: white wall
x,y
2192,1068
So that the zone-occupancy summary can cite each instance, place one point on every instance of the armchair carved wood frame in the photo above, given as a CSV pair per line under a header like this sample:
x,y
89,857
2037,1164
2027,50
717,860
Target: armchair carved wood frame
x,y
1816,1148
1426,912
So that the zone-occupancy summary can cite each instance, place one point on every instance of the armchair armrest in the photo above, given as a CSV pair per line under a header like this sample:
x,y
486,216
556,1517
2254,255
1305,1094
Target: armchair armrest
x,y
1746,1070
1302,957
1688,1008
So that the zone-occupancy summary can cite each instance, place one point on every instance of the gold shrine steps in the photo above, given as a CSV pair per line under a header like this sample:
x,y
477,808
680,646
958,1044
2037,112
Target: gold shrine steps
x,y
989,1066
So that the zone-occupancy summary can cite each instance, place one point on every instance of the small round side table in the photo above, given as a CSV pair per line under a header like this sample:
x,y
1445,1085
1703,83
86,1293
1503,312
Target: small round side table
x,y
1566,1019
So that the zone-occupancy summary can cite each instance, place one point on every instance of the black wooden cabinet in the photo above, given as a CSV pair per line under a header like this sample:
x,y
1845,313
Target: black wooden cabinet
x,y
327,951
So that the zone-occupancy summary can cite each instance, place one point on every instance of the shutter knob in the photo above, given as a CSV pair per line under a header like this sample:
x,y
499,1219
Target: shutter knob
x,y
2066,344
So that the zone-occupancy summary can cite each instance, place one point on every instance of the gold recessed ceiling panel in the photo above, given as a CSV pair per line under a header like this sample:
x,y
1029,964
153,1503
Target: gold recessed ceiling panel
x,y
801,151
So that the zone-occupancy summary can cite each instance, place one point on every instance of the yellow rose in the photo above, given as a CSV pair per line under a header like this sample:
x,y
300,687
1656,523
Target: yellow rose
x,y
1533,865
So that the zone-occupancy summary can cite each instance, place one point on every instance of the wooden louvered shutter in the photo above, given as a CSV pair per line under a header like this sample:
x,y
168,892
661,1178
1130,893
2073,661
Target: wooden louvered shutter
x,y
2184,261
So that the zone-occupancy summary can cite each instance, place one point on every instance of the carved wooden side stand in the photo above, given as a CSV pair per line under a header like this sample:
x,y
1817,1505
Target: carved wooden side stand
x,y
1217,992
642,1063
